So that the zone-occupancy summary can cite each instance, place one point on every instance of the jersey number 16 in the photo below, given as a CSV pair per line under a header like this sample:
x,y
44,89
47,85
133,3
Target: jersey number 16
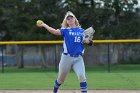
x,y
77,39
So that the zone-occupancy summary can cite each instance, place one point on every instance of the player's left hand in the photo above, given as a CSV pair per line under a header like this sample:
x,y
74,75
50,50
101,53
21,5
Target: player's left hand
x,y
88,42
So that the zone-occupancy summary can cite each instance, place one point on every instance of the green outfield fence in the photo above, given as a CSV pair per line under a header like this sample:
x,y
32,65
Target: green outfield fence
x,y
107,42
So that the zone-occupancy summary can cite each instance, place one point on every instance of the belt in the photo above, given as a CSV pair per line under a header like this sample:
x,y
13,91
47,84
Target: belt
x,y
71,55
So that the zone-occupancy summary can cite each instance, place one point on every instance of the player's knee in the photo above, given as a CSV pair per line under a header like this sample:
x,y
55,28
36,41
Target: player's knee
x,y
61,81
82,78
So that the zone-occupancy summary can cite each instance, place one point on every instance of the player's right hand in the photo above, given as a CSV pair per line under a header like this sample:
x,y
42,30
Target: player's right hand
x,y
39,23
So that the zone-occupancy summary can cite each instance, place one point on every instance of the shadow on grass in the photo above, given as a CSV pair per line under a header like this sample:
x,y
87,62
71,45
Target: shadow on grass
x,y
95,68
115,68
28,69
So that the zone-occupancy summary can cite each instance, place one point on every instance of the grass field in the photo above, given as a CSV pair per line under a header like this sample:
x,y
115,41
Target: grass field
x,y
121,77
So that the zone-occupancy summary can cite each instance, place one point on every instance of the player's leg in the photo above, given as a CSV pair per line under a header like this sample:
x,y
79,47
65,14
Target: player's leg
x,y
56,86
79,69
64,68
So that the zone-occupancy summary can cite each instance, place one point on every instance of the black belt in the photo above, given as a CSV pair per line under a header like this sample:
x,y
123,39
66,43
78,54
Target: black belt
x,y
71,55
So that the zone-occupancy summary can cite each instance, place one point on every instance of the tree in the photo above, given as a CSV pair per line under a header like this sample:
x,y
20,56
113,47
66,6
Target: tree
x,y
110,18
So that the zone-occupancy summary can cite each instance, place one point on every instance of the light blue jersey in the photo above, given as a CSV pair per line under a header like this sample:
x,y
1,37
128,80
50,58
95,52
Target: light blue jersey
x,y
73,44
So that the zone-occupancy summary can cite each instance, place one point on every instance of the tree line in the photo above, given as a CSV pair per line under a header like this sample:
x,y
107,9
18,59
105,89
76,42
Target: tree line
x,y
112,19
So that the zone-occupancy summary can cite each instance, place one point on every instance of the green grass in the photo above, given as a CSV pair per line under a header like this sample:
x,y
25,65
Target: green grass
x,y
120,77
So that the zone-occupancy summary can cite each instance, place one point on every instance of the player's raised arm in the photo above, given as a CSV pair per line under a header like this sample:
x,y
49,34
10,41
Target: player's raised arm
x,y
40,23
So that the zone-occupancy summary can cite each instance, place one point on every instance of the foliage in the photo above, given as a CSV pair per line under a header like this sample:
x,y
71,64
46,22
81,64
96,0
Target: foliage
x,y
112,20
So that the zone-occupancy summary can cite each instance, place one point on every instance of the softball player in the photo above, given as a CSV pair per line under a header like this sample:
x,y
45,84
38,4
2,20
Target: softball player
x,y
73,49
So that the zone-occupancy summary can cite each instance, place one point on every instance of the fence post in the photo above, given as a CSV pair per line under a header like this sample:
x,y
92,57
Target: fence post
x,y
2,59
108,59
22,56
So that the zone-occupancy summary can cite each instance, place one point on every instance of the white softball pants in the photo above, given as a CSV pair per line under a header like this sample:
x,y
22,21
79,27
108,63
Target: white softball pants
x,y
66,63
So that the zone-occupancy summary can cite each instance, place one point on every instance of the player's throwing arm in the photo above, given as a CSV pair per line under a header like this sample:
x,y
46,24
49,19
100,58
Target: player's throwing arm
x,y
40,23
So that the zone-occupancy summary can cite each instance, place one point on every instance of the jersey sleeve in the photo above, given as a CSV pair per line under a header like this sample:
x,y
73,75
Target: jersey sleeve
x,y
83,29
62,30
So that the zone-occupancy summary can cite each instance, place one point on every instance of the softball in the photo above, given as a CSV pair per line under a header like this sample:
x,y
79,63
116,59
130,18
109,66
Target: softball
x,y
39,22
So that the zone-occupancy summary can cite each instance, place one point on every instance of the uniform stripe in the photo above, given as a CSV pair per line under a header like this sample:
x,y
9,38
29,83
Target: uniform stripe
x,y
83,51
56,86
65,47
83,86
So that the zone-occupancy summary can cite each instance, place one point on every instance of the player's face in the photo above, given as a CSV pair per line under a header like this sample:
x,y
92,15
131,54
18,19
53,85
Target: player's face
x,y
70,20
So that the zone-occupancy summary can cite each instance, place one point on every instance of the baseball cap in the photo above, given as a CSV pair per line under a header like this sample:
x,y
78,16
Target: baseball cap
x,y
69,13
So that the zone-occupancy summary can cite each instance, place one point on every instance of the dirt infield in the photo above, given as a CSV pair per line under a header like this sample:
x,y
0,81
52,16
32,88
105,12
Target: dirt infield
x,y
69,91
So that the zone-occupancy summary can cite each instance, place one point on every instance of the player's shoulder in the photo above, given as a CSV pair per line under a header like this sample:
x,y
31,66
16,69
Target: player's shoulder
x,y
81,29
64,29
73,29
